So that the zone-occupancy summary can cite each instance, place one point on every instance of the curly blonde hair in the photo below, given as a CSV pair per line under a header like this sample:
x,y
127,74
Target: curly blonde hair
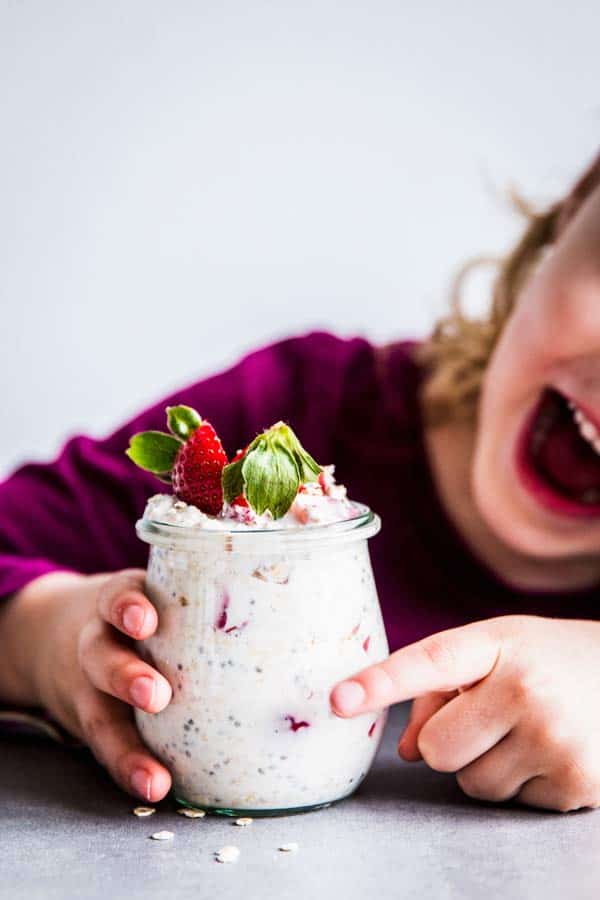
x,y
457,352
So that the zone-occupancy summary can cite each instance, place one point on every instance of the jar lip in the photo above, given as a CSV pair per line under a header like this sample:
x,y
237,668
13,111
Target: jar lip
x,y
364,525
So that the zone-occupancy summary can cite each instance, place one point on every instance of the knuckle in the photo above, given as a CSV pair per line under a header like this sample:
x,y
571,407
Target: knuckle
x,y
548,730
579,783
136,576
520,691
107,589
88,640
473,786
120,675
94,726
526,687
439,653
542,736
113,588
378,682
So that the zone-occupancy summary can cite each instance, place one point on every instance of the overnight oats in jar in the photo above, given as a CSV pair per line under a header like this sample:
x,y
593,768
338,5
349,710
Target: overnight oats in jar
x,y
259,617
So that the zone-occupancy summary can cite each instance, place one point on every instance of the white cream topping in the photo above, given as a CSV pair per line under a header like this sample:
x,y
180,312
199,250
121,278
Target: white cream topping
x,y
318,503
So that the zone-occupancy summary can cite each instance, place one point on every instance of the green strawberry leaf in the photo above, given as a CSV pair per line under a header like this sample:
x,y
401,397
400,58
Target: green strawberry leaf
x,y
233,481
270,473
154,451
308,469
182,421
271,478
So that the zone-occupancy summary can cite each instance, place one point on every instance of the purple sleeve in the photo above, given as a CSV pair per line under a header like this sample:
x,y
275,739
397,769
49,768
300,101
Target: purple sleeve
x,y
77,513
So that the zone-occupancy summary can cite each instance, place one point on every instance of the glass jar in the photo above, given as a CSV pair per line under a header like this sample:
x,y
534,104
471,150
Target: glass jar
x,y
255,628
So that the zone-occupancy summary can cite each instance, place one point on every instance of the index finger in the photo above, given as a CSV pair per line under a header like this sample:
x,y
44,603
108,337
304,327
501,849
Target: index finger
x,y
445,661
121,602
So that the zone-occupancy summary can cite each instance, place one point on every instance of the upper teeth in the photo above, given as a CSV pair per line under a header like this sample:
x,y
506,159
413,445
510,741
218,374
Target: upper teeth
x,y
586,428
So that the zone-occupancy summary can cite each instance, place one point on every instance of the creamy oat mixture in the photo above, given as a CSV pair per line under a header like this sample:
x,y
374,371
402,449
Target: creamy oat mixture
x,y
317,503
254,632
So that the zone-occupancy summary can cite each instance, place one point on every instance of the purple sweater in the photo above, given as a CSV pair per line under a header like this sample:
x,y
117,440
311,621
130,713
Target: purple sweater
x,y
351,404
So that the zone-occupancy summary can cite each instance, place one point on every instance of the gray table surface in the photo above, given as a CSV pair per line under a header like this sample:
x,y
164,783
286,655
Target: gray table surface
x,y
68,832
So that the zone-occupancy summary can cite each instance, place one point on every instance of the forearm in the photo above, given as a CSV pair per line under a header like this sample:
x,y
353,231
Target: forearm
x,y
24,631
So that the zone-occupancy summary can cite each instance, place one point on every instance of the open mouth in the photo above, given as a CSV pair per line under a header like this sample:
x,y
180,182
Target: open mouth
x,y
559,457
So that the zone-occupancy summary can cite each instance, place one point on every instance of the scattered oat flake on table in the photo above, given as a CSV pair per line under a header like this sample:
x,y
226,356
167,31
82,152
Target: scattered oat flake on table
x,y
245,820
191,813
162,836
227,854
144,811
289,848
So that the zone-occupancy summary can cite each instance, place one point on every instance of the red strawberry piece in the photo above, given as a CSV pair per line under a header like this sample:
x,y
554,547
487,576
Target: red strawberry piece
x,y
366,643
197,470
240,500
301,513
239,627
239,455
372,728
296,725
221,617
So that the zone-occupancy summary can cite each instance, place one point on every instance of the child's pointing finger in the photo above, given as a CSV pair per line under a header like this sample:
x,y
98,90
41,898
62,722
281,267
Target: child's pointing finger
x,y
445,661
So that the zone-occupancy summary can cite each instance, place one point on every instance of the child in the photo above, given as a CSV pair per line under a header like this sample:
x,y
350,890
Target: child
x,y
479,449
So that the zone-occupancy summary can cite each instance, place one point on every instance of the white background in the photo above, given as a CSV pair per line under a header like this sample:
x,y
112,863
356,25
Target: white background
x,y
181,181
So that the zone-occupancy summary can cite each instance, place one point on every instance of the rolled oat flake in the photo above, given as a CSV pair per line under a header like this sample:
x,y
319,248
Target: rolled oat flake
x,y
191,813
245,820
162,836
228,854
289,848
142,811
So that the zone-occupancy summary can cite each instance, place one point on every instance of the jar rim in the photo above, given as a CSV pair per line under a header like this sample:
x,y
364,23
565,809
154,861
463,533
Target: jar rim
x,y
364,525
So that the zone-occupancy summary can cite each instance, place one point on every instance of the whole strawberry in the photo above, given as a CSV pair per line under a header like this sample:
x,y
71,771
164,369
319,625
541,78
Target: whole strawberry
x,y
196,474
192,458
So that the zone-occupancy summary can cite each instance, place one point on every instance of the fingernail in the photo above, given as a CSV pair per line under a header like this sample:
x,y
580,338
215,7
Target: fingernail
x,y
133,619
141,691
141,783
348,696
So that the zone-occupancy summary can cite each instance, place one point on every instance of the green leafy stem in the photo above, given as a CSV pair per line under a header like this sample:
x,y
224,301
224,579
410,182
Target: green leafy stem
x,y
272,469
155,451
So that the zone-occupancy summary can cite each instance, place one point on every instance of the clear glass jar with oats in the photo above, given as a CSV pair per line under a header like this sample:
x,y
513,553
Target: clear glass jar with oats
x,y
256,625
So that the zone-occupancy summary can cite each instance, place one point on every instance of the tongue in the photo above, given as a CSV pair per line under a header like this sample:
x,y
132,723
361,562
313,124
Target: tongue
x,y
569,461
